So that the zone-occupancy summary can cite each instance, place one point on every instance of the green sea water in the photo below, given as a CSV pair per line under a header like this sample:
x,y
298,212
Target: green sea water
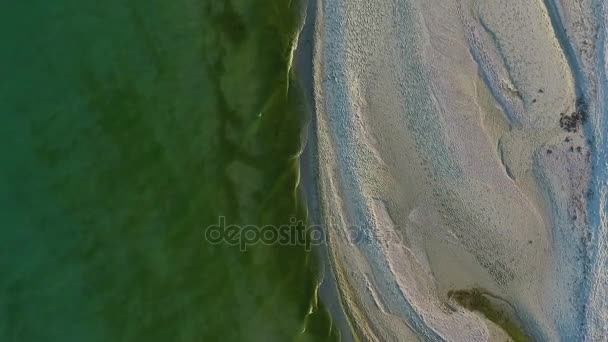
x,y
126,128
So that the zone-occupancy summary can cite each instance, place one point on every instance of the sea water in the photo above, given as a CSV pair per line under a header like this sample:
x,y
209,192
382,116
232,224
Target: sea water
x,y
126,129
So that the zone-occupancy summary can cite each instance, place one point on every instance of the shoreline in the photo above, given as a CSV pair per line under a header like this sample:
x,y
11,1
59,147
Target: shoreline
x,y
304,59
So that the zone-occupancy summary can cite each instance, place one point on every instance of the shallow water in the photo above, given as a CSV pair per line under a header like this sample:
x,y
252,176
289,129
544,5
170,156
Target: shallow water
x,y
127,128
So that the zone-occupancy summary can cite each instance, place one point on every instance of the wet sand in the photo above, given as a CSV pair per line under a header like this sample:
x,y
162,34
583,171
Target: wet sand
x,y
451,149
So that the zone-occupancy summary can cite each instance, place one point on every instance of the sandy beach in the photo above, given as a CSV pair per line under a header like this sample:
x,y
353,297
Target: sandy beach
x,y
453,152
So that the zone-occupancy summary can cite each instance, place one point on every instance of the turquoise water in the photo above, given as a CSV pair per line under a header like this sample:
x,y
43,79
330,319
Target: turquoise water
x,y
126,128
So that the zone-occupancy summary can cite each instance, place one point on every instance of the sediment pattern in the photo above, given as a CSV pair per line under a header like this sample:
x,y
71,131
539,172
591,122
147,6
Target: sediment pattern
x,y
461,141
